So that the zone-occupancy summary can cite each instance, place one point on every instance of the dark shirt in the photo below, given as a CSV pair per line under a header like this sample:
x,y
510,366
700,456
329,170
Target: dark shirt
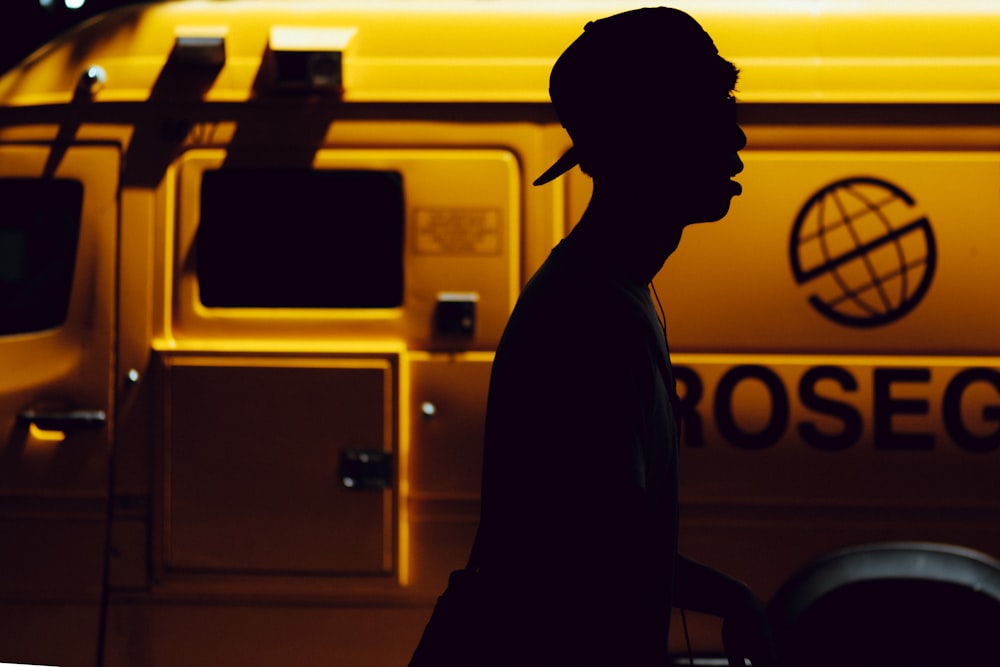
x,y
579,518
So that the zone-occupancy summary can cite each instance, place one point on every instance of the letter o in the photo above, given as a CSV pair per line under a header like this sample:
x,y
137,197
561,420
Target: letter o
x,y
776,425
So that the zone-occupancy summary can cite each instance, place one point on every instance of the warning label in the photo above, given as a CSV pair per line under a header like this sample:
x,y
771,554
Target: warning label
x,y
457,231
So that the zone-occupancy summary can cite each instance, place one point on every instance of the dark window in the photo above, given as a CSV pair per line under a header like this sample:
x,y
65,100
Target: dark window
x,y
39,231
283,238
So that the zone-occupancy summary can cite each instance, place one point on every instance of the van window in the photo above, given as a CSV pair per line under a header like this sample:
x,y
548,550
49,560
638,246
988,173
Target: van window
x,y
39,231
290,238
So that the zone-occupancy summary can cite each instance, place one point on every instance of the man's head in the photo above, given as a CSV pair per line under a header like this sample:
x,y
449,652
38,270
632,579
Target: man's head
x,y
645,96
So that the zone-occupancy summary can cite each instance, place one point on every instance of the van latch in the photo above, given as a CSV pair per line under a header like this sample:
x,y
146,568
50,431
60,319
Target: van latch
x,y
366,469
455,314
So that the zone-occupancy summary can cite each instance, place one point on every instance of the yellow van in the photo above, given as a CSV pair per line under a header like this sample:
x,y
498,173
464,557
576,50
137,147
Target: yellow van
x,y
255,258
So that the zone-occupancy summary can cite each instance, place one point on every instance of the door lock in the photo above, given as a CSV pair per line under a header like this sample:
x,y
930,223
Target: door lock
x,y
366,469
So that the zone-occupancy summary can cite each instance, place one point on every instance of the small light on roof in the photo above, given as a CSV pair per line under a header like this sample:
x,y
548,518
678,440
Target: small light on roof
x,y
91,80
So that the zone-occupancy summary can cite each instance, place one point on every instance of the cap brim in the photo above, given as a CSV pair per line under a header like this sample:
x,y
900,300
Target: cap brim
x,y
561,166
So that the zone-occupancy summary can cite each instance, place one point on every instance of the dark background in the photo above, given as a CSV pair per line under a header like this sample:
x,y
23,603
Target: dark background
x,y
26,25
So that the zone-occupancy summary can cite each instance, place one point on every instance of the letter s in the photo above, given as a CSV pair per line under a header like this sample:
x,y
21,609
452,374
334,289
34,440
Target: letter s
x,y
846,413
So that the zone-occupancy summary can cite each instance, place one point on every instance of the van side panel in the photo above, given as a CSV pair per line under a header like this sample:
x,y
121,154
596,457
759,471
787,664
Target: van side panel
x,y
58,237
299,230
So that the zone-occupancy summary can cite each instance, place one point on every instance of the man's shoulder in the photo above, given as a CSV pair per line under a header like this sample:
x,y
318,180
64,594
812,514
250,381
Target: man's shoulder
x,y
568,273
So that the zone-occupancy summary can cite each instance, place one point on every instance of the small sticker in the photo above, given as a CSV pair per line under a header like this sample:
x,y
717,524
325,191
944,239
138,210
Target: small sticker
x,y
457,231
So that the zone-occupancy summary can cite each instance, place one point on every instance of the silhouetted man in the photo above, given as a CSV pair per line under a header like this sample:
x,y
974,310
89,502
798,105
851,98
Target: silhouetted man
x,y
578,535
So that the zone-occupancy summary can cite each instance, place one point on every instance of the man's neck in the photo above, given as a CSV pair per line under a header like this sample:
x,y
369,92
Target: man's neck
x,y
630,229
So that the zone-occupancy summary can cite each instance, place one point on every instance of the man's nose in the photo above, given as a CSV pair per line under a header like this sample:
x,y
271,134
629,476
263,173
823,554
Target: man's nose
x,y
739,139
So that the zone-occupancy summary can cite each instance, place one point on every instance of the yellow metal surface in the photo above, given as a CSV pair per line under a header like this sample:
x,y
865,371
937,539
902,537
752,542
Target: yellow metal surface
x,y
251,442
501,51
68,366
53,483
463,234
841,397
745,264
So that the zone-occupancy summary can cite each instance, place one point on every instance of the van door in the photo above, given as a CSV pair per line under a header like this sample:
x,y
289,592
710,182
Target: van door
x,y
58,217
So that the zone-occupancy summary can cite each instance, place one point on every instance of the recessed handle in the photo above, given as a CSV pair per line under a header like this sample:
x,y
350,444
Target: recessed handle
x,y
62,420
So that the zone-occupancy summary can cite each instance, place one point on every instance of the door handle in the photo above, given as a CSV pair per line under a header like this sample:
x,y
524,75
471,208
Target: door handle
x,y
366,469
62,420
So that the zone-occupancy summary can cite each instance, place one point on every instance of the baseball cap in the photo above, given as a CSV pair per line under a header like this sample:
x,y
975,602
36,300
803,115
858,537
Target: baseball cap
x,y
618,63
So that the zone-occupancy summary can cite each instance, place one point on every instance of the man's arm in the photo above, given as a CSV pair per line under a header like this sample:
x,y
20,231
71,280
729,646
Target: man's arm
x,y
745,630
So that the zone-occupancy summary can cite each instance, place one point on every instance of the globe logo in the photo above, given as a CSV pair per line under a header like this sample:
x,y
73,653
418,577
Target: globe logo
x,y
865,252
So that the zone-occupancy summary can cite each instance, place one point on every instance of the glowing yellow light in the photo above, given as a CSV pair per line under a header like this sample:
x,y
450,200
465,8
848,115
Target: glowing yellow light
x,y
403,499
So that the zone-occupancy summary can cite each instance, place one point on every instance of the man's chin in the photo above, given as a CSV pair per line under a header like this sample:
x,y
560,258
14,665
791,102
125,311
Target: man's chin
x,y
713,212
713,202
